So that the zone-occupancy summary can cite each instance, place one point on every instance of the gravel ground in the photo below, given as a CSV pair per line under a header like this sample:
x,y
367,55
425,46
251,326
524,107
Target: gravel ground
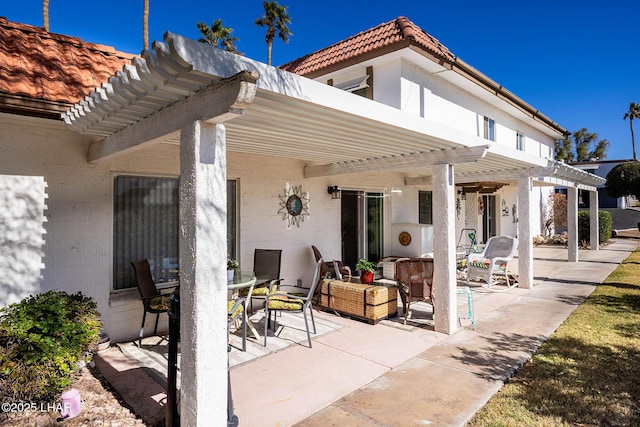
x,y
101,406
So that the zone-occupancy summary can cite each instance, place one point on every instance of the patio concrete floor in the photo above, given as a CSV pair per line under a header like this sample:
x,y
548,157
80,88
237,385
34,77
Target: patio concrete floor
x,y
390,374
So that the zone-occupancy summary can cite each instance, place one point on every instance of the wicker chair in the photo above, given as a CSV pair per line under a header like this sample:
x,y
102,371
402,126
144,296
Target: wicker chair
x,y
415,281
493,261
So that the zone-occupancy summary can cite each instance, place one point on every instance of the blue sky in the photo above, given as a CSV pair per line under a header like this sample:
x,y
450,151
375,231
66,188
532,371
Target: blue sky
x,y
578,62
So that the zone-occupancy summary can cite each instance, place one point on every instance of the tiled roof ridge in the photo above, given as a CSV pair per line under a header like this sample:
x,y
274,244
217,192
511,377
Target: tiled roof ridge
x,y
397,33
77,41
411,30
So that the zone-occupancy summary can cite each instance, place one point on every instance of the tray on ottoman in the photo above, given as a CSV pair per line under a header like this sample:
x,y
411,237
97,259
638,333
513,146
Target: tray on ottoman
x,y
371,303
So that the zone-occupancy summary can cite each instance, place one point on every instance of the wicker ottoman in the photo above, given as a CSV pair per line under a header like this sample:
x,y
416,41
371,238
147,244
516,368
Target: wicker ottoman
x,y
370,303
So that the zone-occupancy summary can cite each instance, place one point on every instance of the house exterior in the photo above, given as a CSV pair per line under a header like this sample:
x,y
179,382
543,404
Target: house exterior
x,y
187,154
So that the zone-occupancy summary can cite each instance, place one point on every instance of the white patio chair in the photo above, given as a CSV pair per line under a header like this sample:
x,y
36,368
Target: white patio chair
x,y
494,260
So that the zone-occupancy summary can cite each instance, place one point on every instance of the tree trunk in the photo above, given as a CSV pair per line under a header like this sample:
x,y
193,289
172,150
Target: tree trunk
x,y
633,141
269,45
145,26
45,14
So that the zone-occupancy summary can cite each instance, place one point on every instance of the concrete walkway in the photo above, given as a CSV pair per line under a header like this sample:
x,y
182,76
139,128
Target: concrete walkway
x,y
395,375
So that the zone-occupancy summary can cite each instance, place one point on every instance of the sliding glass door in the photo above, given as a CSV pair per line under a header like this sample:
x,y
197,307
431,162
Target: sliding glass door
x,y
362,227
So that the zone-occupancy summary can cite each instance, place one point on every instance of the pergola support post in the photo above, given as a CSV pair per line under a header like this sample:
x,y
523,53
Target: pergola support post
x,y
203,283
525,238
594,221
444,274
572,223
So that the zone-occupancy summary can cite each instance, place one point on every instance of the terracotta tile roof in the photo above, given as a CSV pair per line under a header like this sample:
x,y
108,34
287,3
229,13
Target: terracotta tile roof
x,y
384,38
36,65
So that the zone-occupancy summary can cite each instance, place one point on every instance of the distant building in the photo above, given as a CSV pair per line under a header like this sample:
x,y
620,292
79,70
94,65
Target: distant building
x,y
601,168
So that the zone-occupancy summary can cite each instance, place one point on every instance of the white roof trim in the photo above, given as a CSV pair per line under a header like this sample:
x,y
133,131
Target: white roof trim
x,y
291,116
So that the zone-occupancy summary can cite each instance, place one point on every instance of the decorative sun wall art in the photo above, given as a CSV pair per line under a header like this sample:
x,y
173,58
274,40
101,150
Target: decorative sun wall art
x,y
294,205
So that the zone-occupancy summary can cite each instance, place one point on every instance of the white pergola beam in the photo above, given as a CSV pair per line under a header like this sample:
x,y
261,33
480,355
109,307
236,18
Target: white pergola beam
x,y
506,175
216,103
395,163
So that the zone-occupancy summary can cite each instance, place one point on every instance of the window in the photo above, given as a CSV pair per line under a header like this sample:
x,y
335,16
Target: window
x,y
519,141
354,85
146,225
361,86
489,129
232,219
425,207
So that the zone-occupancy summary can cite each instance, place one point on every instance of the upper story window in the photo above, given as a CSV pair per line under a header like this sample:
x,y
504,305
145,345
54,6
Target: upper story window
x,y
354,85
361,86
489,129
520,141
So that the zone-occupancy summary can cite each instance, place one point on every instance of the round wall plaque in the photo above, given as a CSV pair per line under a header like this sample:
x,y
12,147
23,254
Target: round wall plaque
x,y
405,238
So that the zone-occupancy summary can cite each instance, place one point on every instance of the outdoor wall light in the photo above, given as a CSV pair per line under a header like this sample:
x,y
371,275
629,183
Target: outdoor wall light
x,y
334,191
462,194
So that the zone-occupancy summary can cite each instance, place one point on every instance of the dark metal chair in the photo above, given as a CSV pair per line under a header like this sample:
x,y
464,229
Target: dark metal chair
x,y
335,267
299,302
237,310
266,264
152,300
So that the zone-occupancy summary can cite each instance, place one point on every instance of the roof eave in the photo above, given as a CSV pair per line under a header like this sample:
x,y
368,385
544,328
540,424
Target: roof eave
x,y
470,73
384,50
26,106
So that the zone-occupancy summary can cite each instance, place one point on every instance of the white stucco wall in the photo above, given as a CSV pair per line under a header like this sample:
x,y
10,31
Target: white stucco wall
x,y
403,84
22,206
77,251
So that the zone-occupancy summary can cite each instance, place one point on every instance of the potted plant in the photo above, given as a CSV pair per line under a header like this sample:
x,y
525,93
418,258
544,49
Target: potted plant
x,y
366,269
232,266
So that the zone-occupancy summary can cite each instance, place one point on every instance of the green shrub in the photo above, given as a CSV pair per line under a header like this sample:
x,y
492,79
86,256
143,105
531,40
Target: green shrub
x,y
42,340
605,226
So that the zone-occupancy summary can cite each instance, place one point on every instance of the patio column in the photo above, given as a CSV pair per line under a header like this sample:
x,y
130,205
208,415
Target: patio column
x,y
572,223
444,260
203,282
525,237
594,221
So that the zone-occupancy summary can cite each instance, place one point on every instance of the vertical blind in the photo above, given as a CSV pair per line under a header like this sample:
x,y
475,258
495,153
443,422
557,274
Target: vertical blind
x,y
145,226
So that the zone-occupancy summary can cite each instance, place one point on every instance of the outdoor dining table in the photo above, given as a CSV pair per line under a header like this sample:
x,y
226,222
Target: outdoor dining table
x,y
243,280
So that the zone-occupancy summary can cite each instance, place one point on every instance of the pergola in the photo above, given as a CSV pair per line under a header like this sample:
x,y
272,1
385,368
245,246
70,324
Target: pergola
x,y
209,102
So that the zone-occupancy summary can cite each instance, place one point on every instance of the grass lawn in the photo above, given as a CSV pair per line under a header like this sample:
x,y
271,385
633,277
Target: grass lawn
x,y
588,372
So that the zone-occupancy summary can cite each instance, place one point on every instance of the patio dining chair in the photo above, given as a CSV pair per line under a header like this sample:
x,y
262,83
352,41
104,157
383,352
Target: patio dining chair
x,y
152,300
237,311
266,263
298,302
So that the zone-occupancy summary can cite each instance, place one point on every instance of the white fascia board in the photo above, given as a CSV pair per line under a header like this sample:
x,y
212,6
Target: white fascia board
x,y
206,59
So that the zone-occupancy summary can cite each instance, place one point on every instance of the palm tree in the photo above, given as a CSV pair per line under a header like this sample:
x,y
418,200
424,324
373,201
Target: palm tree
x,y
145,25
45,14
218,35
633,113
275,18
